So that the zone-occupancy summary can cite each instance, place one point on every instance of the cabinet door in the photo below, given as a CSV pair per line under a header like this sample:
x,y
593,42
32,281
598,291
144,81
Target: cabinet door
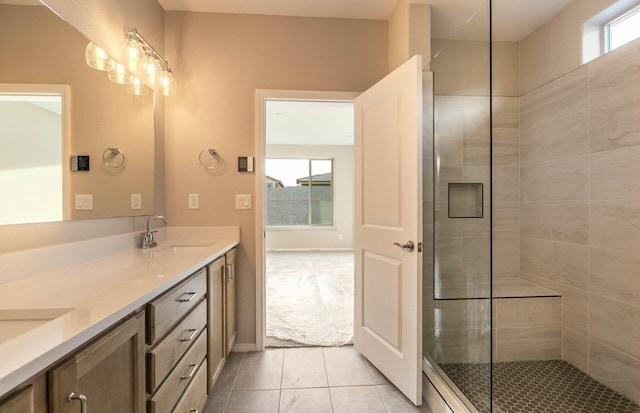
x,y
215,320
30,399
230,300
109,373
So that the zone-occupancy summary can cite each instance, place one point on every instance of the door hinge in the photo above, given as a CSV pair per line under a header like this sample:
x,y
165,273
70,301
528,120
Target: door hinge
x,y
420,247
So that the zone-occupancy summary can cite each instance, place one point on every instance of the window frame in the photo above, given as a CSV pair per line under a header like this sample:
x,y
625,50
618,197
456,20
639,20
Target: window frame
x,y
606,26
309,224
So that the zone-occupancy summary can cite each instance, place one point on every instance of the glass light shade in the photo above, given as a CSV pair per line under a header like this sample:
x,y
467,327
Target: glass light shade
x,y
152,70
98,58
167,83
136,87
120,75
135,55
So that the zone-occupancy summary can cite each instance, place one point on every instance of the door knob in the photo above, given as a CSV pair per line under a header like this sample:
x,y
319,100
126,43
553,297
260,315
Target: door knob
x,y
406,246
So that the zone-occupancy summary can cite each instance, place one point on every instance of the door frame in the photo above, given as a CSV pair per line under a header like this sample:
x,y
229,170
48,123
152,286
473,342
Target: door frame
x,y
262,95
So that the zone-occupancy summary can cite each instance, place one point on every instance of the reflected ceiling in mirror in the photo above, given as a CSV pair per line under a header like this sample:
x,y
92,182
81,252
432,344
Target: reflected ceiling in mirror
x,y
38,48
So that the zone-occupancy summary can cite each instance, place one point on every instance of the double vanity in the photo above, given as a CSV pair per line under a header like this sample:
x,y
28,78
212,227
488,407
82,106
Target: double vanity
x,y
104,326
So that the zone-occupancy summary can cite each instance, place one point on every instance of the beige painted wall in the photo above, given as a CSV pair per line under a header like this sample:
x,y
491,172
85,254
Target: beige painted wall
x,y
409,33
105,24
566,42
220,61
339,236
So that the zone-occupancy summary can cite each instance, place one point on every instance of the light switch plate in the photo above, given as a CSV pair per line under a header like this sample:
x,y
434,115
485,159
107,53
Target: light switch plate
x,y
136,201
243,201
84,202
194,201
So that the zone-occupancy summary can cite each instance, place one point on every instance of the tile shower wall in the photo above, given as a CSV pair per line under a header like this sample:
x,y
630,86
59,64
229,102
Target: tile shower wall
x,y
580,211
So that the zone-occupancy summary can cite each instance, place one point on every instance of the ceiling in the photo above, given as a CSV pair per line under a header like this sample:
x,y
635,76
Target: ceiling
x,y
513,19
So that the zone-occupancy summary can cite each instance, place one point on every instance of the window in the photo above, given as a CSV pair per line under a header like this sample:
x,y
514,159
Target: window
x,y
299,192
622,29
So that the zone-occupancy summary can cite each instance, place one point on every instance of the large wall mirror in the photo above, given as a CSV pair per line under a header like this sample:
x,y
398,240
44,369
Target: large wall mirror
x,y
53,107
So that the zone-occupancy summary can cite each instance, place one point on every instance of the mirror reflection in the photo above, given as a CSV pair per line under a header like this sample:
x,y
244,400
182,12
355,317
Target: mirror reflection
x,y
40,144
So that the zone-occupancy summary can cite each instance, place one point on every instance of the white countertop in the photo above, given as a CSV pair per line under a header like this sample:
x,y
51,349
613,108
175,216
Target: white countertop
x,y
93,284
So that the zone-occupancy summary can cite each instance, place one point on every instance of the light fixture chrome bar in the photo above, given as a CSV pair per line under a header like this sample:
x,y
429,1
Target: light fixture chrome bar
x,y
135,35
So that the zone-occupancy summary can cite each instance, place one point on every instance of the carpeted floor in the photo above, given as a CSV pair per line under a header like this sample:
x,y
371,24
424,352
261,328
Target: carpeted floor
x,y
309,298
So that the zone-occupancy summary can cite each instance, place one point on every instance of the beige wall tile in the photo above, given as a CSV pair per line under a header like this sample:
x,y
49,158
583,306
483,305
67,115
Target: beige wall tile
x,y
528,312
506,112
562,138
615,274
506,147
622,334
616,174
615,224
476,256
506,191
460,346
575,302
616,370
575,348
565,179
506,255
559,220
506,173
448,255
560,262
449,148
614,126
459,314
476,147
506,219
558,99
476,112
530,343
447,111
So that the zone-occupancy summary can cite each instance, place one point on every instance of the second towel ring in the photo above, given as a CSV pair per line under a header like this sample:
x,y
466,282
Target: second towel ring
x,y
115,153
217,161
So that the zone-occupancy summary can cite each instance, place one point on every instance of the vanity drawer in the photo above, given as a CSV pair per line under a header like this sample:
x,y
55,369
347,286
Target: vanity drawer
x,y
166,310
195,396
184,373
162,358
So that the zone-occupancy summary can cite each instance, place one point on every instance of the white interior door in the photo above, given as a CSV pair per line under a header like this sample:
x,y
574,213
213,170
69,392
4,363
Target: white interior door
x,y
388,209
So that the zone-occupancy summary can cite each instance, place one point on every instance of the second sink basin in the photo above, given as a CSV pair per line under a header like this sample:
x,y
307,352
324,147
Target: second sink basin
x,y
15,322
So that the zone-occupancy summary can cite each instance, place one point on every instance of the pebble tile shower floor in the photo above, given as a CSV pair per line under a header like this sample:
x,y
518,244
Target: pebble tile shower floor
x,y
553,386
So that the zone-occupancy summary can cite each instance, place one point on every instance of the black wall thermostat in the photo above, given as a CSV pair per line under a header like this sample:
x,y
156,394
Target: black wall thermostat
x,y
79,163
245,164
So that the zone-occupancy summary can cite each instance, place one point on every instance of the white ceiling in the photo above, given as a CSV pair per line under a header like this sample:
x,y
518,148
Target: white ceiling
x,y
291,122
513,19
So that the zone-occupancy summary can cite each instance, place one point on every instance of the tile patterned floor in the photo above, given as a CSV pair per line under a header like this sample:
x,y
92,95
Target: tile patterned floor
x,y
307,380
553,386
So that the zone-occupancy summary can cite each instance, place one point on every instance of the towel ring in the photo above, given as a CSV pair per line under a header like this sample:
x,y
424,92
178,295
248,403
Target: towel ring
x,y
110,156
217,161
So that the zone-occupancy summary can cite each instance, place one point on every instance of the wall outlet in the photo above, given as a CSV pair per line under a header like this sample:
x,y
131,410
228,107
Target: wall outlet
x,y
194,201
84,202
243,201
136,201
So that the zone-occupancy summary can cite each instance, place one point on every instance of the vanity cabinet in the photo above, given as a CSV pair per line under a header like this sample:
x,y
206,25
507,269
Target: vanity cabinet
x,y
215,319
31,398
177,338
106,376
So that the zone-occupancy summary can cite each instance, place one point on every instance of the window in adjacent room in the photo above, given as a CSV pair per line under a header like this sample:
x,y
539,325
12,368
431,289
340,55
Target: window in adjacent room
x,y
622,29
299,192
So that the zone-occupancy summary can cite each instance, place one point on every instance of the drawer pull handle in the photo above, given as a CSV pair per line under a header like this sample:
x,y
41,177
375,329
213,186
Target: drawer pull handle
x,y
82,398
194,331
194,367
194,411
191,295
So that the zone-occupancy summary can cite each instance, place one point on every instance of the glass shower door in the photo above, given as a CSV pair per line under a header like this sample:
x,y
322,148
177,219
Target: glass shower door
x,y
457,296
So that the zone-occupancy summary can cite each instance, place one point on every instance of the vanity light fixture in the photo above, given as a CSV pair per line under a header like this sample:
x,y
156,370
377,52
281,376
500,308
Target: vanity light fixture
x,y
143,58
98,58
120,75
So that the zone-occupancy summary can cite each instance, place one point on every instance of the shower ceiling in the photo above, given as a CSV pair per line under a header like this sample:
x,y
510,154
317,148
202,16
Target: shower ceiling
x,y
447,15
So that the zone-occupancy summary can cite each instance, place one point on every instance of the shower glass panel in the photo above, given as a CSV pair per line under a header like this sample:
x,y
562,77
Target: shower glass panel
x,y
457,300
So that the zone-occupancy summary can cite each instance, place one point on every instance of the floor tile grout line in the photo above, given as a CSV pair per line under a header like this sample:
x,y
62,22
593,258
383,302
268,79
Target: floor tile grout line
x,y
326,373
235,379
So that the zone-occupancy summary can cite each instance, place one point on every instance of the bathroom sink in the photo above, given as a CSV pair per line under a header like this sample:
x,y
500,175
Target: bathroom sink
x,y
178,247
15,322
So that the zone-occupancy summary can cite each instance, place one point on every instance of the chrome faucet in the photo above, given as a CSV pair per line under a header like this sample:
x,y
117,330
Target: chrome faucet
x,y
148,239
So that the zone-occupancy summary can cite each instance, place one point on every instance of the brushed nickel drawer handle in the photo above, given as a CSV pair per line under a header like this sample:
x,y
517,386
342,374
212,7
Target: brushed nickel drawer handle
x,y
82,398
194,367
191,294
194,331
194,411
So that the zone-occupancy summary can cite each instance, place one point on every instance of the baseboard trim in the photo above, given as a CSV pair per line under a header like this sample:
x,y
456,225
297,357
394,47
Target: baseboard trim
x,y
244,347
